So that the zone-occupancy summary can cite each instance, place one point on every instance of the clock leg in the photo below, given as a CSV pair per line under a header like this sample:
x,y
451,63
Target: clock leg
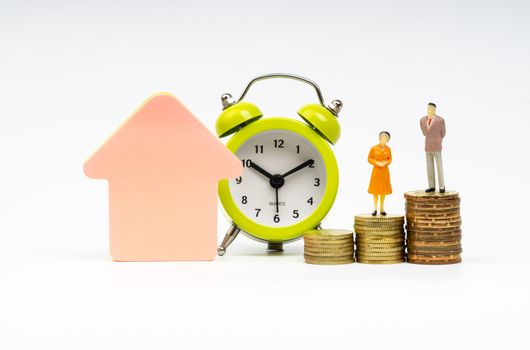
x,y
275,247
231,234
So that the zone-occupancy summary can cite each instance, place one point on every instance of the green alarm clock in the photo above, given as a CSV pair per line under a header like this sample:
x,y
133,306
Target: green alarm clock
x,y
290,177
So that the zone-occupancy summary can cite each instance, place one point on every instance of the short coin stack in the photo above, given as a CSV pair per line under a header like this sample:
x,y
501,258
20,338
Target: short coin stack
x,y
328,247
379,239
433,228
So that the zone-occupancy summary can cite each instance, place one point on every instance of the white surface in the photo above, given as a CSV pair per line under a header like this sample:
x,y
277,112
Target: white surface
x,y
70,72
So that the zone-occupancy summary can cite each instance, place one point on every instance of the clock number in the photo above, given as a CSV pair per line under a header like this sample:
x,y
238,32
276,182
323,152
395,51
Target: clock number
x,y
296,214
246,162
297,148
244,200
259,148
317,182
257,211
276,218
238,180
278,143
310,201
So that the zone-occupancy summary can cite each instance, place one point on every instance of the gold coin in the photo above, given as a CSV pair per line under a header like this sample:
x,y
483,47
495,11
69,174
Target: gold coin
x,y
328,237
373,234
433,226
328,251
435,262
442,222
419,194
378,228
328,233
380,262
434,216
434,257
337,262
434,236
380,239
380,257
332,256
434,251
381,250
313,260
319,239
435,244
331,244
370,217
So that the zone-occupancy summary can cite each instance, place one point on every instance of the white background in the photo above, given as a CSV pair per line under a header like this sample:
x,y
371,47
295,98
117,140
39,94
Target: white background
x,y
71,71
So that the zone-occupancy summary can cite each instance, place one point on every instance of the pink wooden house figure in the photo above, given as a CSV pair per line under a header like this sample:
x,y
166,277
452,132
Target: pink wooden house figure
x,y
163,168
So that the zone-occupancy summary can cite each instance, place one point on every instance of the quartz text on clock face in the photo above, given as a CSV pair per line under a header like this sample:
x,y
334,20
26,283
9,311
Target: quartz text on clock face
x,y
283,181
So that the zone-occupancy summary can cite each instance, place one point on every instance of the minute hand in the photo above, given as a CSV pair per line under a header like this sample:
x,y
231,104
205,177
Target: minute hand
x,y
300,167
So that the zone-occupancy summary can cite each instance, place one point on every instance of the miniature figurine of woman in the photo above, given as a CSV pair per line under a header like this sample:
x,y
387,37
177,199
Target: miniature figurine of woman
x,y
380,157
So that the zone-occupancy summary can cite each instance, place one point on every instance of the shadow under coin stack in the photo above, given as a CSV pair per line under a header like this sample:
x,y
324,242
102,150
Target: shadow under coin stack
x,y
379,239
433,228
328,247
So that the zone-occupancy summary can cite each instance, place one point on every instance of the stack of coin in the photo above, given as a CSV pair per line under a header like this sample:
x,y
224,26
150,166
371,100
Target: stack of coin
x,y
379,239
433,228
328,247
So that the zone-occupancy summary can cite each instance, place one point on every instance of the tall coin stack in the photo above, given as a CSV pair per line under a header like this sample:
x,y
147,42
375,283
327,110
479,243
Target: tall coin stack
x,y
433,228
328,247
379,239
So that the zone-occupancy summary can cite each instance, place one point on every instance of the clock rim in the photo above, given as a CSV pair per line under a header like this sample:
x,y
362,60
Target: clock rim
x,y
292,232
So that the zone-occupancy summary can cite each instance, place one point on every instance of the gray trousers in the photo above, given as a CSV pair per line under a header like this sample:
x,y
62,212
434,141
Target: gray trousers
x,y
431,157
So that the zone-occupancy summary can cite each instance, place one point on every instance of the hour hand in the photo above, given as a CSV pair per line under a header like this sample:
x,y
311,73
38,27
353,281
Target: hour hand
x,y
260,170
300,167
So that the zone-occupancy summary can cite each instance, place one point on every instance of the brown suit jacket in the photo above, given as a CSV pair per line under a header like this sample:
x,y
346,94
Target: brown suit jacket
x,y
433,134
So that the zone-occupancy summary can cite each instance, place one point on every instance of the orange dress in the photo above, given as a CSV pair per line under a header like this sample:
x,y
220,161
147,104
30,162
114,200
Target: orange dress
x,y
380,180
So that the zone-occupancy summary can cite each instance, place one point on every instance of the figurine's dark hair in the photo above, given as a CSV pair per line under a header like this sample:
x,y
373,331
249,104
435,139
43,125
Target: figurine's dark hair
x,y
431,104
386,133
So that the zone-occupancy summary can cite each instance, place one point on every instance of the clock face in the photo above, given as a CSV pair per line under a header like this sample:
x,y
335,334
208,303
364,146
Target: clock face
x,y
283,181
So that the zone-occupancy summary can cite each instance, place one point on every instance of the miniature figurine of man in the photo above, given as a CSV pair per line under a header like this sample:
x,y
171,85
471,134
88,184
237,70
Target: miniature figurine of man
x,y
433,128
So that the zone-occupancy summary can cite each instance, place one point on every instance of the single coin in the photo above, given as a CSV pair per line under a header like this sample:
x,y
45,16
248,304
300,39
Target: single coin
x,y
431,252
420,194
341,262
373,226
369,217
433,257
380,249
375,233
328,240
433,230
433,205
380,262
325,249
434,216
434,234
381,239
443,222
333,244
328,258
434,262
328,233
389,227
334,251
434,244
377,255
425,226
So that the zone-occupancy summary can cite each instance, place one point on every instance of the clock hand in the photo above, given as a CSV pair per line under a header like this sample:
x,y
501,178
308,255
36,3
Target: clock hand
x,y
277,203
260,170
300,167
